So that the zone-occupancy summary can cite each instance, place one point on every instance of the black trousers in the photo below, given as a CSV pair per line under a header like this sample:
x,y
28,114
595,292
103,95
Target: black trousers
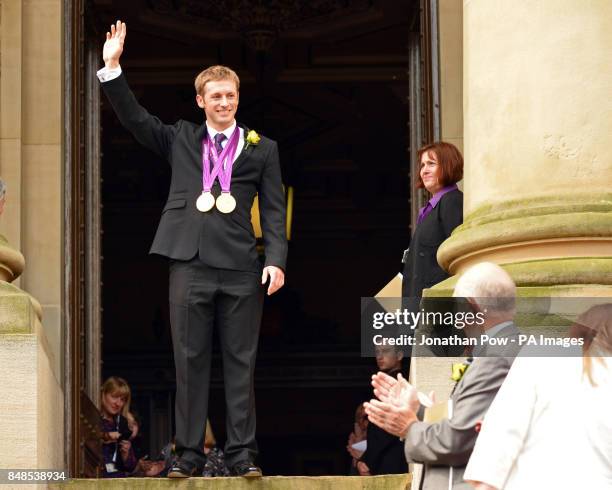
x,y
203,298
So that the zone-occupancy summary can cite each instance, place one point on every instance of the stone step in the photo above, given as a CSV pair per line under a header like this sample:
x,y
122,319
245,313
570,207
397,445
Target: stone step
x,y
383,482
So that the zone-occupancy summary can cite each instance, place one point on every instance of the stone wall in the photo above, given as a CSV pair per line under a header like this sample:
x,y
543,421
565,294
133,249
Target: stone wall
x,y
32,401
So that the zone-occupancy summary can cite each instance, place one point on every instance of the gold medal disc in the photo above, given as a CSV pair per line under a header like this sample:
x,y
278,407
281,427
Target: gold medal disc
x,y
205,202
226,203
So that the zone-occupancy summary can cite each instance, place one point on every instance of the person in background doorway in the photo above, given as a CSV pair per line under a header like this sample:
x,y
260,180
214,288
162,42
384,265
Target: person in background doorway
x,y
359,434
385,452
117,451
441,167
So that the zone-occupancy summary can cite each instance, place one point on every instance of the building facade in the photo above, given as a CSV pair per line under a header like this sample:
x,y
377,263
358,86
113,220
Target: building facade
x,y
523,88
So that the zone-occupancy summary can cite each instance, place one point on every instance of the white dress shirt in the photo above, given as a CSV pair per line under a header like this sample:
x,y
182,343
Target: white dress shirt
x,y
228,133
108,74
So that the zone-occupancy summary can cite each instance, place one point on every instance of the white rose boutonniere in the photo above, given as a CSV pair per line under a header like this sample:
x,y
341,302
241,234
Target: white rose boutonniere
x,y
252,138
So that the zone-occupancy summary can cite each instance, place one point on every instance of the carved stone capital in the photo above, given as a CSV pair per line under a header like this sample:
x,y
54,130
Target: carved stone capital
x,y
18,310
570,235
12,261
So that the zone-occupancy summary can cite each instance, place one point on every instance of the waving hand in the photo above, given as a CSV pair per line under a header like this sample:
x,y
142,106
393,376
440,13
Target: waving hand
x,y
113,47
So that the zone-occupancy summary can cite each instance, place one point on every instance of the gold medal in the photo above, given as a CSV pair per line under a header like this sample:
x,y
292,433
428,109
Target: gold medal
x,y
205,202
226,203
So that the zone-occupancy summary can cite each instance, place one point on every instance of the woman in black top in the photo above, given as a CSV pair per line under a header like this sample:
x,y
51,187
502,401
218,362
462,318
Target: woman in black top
x,y
441,168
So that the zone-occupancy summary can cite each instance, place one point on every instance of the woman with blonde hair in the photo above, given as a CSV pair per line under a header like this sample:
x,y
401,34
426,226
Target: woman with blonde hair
x,y
550,424
117,451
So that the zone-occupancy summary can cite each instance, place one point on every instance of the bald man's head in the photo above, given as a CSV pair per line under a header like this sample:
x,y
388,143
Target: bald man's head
x,y
490,286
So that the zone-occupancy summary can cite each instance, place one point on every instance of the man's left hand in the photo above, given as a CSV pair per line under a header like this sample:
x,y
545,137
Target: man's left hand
x,y
391,418
277,278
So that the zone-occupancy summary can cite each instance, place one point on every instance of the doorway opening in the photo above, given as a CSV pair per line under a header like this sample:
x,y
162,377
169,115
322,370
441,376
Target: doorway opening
x,y
339,88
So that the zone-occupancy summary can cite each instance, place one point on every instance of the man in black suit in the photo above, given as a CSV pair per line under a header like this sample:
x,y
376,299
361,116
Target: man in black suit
x,y
205,230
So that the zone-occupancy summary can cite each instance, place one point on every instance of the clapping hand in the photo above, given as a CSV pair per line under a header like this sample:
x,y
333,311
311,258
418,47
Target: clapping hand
x,y
113,47
395,409
392,419
397,392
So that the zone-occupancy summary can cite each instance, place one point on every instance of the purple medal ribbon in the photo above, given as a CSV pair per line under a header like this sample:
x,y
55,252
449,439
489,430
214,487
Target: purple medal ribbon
x,y
225,173
208,176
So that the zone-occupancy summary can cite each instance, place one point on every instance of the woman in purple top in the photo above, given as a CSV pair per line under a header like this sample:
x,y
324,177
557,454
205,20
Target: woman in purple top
x,y
441,168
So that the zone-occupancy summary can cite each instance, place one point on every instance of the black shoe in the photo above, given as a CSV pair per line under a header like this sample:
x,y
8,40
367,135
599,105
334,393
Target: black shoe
x,y
246,469
183,469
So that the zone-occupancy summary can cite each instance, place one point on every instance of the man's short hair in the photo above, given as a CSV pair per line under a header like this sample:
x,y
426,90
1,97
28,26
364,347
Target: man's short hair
x,y
2,189
449,159
396,349
489,285
215,73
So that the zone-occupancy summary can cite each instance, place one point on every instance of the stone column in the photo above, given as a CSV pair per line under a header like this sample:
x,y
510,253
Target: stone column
x,y
31,125
450,28
538,119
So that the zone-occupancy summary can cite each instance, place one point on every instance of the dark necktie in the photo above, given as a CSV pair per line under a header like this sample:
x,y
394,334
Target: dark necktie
x,y
219,138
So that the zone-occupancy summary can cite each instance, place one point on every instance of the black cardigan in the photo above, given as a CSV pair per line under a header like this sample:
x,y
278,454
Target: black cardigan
x,y
421,270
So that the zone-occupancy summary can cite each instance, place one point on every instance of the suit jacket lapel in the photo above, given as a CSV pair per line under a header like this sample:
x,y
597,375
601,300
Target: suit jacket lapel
x,y
200,132
246,150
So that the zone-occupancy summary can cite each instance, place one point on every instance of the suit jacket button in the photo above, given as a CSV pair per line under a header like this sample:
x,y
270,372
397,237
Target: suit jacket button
x,y
421,254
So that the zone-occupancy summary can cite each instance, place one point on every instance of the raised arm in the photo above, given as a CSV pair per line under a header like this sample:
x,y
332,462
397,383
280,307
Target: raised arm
x,y
147,129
